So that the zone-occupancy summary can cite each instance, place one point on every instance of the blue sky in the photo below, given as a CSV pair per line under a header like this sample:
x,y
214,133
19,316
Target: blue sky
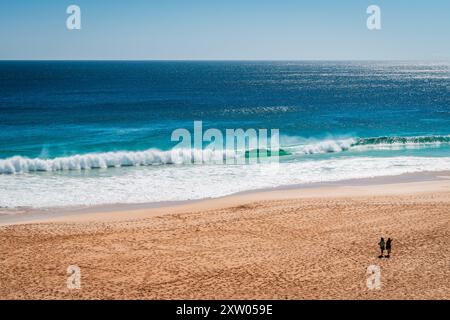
x,y
218,29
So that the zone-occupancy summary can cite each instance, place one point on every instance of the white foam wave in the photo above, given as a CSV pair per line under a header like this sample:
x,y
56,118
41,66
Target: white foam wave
x,y
173,183
303,146
326,146
105,160
296,146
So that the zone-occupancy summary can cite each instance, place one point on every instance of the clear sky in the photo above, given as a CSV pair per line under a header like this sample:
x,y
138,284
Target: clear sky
x,y
225,29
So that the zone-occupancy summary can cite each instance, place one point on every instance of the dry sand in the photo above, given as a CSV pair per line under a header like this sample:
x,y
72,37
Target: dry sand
x,y
288,244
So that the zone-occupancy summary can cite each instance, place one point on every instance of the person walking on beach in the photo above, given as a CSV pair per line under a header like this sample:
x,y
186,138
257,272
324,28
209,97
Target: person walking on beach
x,y
382,246
388,247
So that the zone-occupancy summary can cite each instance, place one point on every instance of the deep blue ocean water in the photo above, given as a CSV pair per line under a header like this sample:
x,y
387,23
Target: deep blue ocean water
x,y
332,116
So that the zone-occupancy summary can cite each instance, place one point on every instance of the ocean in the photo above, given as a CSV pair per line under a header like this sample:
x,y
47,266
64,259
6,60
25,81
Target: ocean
x,y
93,133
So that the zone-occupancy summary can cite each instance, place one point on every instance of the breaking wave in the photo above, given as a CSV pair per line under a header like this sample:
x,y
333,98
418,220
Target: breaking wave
x,y
105,160
372,143
19,164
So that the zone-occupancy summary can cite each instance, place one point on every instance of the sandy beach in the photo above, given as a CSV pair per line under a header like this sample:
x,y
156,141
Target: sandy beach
x,y
309,243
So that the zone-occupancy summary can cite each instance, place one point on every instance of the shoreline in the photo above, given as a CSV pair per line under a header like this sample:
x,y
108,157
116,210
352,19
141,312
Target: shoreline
x,y
111,211
311,243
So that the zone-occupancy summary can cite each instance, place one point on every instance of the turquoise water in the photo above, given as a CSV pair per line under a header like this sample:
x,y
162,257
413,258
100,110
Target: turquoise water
x,y
82,133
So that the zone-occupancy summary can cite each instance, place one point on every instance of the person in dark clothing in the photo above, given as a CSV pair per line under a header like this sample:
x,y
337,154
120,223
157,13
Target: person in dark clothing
x,y
388,247
382,246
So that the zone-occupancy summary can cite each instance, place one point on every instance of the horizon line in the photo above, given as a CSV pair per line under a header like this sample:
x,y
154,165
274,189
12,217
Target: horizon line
x,y
223,60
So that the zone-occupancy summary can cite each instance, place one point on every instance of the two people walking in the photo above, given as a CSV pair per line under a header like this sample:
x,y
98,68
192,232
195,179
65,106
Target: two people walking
x,y
385,245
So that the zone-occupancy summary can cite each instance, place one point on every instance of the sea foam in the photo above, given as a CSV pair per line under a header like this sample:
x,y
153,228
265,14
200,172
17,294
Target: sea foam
x,y
105,160
151,157
176,183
